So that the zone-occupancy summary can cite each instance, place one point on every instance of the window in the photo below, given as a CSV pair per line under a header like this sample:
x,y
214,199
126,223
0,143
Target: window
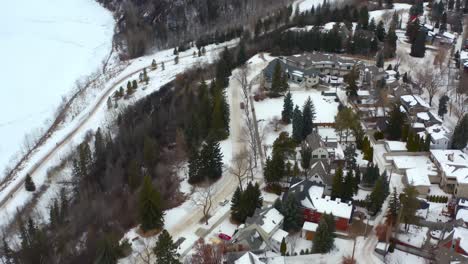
x,y
314,156
324,156
349,67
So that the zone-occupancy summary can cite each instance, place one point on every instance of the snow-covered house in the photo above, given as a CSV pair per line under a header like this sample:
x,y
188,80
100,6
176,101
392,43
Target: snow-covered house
x,y
261,230
249,258
313,205
462,214
428,119
317,145
414,104
440,136
453,170
390,76
308,230
457,240
417,168
307,78
395,146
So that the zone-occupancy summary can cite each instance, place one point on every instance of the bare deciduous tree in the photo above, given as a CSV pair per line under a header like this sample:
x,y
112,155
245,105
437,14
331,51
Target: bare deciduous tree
x,y
145,253
429,79
241,165
203,197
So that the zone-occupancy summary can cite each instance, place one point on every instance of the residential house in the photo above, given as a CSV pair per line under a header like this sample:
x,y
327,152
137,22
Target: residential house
x,y
428,119
305,68
317,145
414,104
440,136
249,258
457,240
313,205
453,170
308,230
263,229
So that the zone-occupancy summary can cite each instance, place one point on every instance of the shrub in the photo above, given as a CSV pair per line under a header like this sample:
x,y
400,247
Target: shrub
x,y
378,135
391,248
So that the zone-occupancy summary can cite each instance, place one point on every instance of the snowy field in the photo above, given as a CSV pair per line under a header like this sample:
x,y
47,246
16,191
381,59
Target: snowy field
x,y
46,47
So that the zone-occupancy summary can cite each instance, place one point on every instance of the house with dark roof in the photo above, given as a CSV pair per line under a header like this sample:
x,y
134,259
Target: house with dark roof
x,y
306,68
314,204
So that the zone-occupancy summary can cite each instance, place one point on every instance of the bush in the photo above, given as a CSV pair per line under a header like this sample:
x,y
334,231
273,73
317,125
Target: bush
x,y
378,135
391,248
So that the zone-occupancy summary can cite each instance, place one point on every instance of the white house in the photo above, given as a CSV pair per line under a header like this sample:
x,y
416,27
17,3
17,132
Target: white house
x,y
440,136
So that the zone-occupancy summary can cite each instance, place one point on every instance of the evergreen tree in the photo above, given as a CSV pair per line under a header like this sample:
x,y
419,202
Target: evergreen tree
x,y
393,208
389,4
323,239
409,205
308,117
162,66
288,108
443,100
154,65
351,83
460,134
372,25
297,124
418,48
176,59
220,116
29,184
338,185
108,251
241,54
364,17
390,42
151,214
211,160
165,250
379,60
394,127
292,214
8,254
380,31
350,157
348,186
274,168
306,157
283,247
109,103
330,220
427,143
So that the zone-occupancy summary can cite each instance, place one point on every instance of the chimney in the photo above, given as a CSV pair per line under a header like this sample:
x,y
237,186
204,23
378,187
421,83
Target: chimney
x,y
450,157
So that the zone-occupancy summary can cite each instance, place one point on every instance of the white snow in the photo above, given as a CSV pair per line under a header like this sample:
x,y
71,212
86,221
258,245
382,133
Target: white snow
x,y
423,115
271,220
398,257
418,177
462,214
46,47
279,235
416,236
328,206
309,226
435,212
395,145
248,258
462,234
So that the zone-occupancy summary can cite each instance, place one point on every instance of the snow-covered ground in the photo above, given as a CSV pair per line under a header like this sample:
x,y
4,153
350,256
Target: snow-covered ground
x,y
399,257
95,114
47,45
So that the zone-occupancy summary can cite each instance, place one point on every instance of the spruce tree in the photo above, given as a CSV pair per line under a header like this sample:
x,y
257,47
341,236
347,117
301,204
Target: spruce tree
x,y
297,125
308,116
165,250
154,65
418,48
29,184
8,254
393,208
395,123
306,157
283,247
288,105
220,116
108,251
443,100
380,31
348,186
151,214
211,160
337,185
323,239
241,54
351,83
409,205
292,214
460,134
379,60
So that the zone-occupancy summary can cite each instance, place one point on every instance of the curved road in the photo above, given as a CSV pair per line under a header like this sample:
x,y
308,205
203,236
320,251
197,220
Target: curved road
x,y
42,162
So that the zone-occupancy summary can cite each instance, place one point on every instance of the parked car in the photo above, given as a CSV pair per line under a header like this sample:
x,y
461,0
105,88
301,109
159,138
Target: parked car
x,y
224,237
224,202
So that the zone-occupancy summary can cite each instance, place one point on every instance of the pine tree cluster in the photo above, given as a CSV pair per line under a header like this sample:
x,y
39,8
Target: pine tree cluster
x,y
245,202
207,164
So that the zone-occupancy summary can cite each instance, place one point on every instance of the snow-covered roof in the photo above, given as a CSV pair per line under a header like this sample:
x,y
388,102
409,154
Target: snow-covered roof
x,y
423,115
363,93
462,214
298,73
463,203
339,153
430,27
464,55
395,145
418,177
309,226
438,132
448,35
456,171
462,234
279,235
329,206
413,100
402,109
390,72
418,125
316,191
271,220
409,162
249,258
453,156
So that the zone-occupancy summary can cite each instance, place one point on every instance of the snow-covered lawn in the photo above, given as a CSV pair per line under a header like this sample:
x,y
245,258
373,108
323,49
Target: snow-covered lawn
x,y
434,212
416,235
361,195
46,47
